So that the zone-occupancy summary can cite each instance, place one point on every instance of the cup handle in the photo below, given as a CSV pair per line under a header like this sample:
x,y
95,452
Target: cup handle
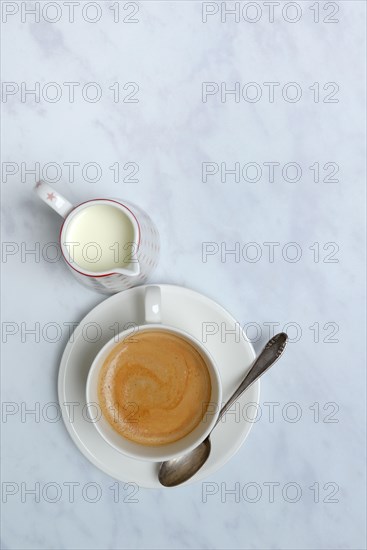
x,y
51,197
152,304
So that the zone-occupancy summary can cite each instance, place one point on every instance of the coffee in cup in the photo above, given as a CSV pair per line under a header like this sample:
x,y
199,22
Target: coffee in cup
x,y
154,387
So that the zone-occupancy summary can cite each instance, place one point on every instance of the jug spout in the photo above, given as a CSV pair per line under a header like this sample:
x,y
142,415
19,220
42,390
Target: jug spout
x,y
132,270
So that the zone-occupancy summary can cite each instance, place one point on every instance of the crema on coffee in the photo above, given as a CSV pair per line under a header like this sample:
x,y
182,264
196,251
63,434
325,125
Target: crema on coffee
x,y
154,387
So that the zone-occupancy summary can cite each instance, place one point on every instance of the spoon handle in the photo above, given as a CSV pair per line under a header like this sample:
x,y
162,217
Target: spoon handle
x,y
271,353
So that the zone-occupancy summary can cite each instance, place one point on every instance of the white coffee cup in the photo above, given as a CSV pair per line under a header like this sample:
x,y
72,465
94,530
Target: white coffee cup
x,y
136,450
131,245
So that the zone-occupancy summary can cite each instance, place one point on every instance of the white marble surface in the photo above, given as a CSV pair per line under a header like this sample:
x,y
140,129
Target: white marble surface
x,y
169,133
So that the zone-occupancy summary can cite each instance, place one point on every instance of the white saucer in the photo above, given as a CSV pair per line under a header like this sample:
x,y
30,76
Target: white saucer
x,y
182,308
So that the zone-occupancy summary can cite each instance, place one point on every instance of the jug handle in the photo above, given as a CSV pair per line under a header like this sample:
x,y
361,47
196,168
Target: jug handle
x,y
53,198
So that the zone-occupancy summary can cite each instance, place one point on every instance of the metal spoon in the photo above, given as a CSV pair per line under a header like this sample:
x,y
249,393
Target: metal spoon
x,y
176,471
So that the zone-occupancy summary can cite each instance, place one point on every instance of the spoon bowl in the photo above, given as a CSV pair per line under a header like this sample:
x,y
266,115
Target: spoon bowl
x,y
178,470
